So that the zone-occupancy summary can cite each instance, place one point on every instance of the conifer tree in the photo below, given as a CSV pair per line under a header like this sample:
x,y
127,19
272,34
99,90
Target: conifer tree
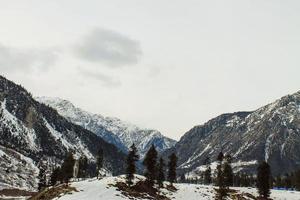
x,y
287,181
182,178
150,164
131,159
220,157
222,192
227,171
297,179
55,176
83,167
172,176
67,168
207,175
99,163
263,180
161,172
42,179
207,172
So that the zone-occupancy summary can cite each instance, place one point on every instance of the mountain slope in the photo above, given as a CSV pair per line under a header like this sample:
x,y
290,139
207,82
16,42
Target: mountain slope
x,y
38,133
270,133
113,130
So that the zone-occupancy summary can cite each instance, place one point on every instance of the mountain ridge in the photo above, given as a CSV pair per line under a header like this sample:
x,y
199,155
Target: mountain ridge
x,y
271,133
121,133
39,134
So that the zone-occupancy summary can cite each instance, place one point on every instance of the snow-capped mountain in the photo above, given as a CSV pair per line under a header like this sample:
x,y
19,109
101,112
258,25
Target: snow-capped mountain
x,y
31,132
113,130
270,133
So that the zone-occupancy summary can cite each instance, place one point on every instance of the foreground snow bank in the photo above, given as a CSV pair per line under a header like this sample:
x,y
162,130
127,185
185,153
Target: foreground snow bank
x,y
105,189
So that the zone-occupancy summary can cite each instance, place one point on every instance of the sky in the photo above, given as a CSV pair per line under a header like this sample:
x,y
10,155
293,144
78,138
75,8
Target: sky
x,y
161,64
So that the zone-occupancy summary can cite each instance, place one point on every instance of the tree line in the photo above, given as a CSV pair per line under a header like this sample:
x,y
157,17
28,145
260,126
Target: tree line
x,y
156,169
224,177
70,168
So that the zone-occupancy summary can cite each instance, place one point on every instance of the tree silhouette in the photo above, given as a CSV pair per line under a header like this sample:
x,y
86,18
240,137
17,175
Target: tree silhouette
x,y
172,168
263,180
99,162
150,164
161,172
67,168
131,159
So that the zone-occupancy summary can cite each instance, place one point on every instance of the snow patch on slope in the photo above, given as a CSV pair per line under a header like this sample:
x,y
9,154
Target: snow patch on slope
x,y
120,133
17,127
17,170
78,146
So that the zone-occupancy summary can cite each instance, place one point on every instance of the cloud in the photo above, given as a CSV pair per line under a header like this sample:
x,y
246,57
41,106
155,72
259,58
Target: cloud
x,y
108,47
106,80
15,59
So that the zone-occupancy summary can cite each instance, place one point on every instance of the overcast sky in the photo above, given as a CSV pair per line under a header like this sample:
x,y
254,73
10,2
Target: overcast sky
x,y
162,64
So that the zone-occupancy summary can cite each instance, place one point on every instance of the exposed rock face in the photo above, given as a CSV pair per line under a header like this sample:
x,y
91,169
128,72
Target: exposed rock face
x,y
37,132
271,133
113,130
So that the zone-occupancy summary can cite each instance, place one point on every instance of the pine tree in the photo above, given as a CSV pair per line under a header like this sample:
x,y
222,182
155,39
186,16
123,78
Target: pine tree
x,y
100,157
278,182
83,167
297,180
67,168
220,157
42,179
287,181
263,180
131,159
222,191
207,172
172,176
182,178
161,172
55,176
237,180
150,164
227,171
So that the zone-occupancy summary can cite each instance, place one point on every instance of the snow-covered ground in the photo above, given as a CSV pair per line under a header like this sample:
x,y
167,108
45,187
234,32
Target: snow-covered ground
x,y
103,189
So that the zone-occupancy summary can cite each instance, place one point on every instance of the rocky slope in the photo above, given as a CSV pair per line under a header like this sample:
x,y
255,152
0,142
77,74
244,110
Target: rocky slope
x,y
31,132
113,130
270,133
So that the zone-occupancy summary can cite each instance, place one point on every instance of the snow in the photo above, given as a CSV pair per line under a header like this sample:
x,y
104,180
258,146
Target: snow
x,y
100,189
121,133
104,189
237,166
194,157
17,127
22,170
275,194
78,146
267,147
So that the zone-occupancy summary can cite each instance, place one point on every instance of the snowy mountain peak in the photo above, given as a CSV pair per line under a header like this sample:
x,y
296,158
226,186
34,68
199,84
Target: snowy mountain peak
x,y
32,133
270,133
120,133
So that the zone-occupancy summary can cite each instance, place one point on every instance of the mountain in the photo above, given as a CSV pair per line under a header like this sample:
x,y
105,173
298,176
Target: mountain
x,y
270,133
113,130
32,132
